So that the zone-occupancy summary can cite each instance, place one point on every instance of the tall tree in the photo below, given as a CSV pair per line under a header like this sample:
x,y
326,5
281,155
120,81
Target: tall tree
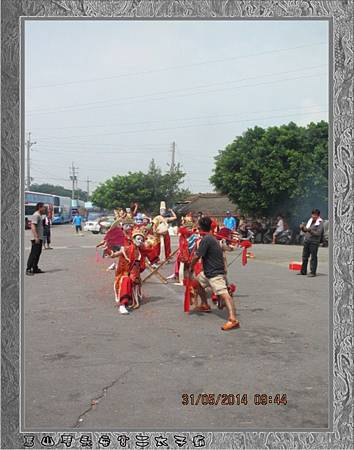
x,y
148,189
47,188
278,169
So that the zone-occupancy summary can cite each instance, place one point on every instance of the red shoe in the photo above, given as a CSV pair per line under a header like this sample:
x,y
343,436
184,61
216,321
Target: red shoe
x,y
203,308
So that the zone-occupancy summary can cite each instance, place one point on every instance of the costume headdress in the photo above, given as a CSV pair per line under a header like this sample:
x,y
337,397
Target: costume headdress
x,y
138,231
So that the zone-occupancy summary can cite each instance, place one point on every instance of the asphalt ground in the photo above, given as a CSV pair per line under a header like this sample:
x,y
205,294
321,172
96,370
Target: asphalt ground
x,y
88,367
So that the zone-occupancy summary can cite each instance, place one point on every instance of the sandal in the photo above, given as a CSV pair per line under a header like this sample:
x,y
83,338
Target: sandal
x,y
230,324
203,308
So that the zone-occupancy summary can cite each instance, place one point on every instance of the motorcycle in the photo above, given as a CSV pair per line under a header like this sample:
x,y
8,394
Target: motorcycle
x,y
257,230
284,237
247,233
267,235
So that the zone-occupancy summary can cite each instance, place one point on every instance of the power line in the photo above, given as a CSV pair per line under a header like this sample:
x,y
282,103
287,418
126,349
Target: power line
x,y
182,66
59,145
109,104
172,120
198,125
62,179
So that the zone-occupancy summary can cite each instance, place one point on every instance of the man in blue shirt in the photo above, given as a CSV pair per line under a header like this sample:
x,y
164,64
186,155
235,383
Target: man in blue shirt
x,y
229,221
77,220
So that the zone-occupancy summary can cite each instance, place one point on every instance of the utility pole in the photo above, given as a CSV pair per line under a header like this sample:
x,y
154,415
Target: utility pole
x,y
173,150
29,144
88,181
73,178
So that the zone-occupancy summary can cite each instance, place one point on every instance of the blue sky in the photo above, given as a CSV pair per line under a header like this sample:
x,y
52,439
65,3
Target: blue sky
x,y
111,95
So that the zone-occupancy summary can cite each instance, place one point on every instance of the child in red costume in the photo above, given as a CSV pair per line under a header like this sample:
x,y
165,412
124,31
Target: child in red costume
x,y
127,285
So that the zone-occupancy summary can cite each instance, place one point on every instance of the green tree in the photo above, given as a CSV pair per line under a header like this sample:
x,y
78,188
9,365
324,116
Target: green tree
x,y
58,190
278,169
148,189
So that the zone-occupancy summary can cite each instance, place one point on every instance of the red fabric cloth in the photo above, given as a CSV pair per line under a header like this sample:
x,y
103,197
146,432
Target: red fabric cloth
x,y
114,237
123,289
187,295
153,253
167,242
244,256
183,249
127,274
198,268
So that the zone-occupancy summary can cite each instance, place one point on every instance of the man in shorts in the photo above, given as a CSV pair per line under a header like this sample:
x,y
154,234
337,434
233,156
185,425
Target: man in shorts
x,y
77,221
213,274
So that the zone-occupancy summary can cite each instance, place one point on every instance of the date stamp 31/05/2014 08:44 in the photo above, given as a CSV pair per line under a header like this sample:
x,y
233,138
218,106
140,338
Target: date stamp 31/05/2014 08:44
x,y
208,399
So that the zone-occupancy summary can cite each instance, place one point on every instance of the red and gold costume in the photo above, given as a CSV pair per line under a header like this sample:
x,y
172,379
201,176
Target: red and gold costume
x,y
152,246
160,230
127,281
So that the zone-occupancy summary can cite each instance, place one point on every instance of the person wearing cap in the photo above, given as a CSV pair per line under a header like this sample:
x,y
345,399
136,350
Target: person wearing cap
x,y
127,285
230,221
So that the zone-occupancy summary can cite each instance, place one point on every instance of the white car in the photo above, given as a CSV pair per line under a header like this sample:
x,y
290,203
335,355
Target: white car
x,y
93,226
98,224
92,223
105,223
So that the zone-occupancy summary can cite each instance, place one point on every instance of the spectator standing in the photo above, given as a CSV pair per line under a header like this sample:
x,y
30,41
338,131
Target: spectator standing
x,y
229,221
47,224
37,241
313,231
237,221
279,229
77,222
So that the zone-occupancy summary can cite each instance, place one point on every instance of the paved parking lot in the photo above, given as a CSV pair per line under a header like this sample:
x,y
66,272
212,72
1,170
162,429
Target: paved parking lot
x,y
86,366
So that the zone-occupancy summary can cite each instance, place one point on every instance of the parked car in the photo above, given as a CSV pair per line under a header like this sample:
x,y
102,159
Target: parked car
x,y
92,223
98,224
105,223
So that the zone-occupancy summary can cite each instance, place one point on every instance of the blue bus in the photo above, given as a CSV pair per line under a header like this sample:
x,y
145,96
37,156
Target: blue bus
x,y
62,210
58,208
31,199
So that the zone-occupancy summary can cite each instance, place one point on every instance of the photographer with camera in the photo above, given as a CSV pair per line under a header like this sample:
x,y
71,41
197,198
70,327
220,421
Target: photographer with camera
x,y
313,231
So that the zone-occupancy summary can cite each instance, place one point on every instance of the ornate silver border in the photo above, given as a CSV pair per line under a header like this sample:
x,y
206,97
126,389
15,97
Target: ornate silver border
x,y
340,13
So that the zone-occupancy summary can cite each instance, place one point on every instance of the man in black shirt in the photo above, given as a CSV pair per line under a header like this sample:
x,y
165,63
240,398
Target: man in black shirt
x,y
214,273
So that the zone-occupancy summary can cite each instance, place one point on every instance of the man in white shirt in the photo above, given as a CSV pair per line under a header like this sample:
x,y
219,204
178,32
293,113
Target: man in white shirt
x,y
313,232
279,229
37,241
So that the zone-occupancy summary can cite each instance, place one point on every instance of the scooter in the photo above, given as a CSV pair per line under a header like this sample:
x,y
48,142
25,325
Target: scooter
x,y
268,236
284,237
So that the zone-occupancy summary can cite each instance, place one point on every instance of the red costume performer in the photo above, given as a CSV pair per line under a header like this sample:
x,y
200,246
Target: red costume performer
x,y
160,231
130,264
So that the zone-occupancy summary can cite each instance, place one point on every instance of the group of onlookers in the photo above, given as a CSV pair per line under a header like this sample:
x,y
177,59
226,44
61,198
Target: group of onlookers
x,y
312,233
